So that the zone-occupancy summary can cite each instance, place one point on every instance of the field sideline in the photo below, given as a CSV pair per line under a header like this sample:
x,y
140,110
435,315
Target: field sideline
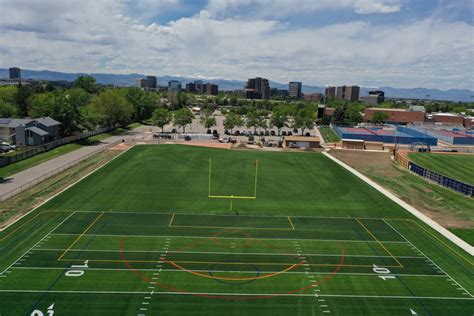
x,y
141,237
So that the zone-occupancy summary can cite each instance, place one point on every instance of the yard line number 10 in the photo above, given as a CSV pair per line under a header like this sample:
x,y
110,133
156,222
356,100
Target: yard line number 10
x,y
383,273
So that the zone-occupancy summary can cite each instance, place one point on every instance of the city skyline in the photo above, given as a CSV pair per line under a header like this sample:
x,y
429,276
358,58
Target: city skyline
x,y
397,43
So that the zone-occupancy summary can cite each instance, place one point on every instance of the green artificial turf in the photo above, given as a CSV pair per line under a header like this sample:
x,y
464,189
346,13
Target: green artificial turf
x,y
328,134
176,179
143,237
459,167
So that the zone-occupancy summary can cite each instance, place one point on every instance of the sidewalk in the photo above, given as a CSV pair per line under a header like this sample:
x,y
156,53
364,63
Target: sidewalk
x,y
15,182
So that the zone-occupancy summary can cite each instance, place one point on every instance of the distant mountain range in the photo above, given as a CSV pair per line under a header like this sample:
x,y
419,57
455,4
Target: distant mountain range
x,y
462,95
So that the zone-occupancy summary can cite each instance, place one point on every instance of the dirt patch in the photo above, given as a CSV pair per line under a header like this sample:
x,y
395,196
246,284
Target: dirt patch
x,y
207,144
366,161
416,192
121,146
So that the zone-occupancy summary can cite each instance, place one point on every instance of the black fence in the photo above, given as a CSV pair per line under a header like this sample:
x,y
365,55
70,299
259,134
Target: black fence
x,y
447,182
5,160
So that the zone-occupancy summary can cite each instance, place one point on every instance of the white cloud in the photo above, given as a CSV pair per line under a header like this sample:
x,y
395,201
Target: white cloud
x,y
102,36
282,8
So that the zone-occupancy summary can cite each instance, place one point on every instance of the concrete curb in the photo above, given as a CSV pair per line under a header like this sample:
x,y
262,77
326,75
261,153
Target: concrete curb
x,y
440,229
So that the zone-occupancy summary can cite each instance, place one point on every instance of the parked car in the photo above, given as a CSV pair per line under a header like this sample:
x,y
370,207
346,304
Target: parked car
x,y
232,140
174,131
272,133
237,133
224,140
5,148
226,132
267,133
290,133
215,132
307,134
209,131
215,136
283,133
295,130
262,133
187,138
255,133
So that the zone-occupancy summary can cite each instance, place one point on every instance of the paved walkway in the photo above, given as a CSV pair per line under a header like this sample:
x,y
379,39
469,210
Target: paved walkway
x,y
14,183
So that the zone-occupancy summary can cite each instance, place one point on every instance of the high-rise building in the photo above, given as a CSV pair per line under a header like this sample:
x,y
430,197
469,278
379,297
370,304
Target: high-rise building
x,y
257,88
275,92
374,98
211,89
191,87
349,93
15,73
151,82
330,92
142,83
174,85
199,86
294,89
313,97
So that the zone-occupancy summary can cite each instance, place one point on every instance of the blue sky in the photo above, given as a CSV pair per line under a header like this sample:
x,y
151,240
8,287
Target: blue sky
x,y
399,43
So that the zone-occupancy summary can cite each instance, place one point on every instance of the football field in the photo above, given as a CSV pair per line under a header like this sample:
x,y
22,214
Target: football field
x,y
170,230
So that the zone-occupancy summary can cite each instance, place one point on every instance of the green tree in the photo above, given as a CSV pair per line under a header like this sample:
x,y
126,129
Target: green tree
x,y
183,117
339,115
161,117
143,102
43,104
379,117
232,120
207,119
7,109
8,94
279,119
305,118
353,116
110,108
251,120
21,99
87,83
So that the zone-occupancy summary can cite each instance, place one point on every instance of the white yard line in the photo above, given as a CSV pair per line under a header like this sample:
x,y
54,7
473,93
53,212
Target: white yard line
x,y
416,248
38,242
241,294
232,215
229,253
249,272
440,229
220,237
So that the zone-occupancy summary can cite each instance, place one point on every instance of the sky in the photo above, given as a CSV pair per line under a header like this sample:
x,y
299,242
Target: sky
x,y
372,43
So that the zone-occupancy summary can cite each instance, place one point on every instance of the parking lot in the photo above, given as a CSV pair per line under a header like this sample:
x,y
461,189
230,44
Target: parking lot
x,y
196,128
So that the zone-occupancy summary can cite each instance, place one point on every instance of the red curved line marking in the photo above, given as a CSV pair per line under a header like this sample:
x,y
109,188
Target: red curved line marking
x,y
230,297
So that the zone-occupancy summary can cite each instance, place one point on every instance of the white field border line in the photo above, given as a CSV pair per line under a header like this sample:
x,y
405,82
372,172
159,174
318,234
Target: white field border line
x,y
440,229
242,294
244,272
66,188
38,242
428,259
201,237
227,253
